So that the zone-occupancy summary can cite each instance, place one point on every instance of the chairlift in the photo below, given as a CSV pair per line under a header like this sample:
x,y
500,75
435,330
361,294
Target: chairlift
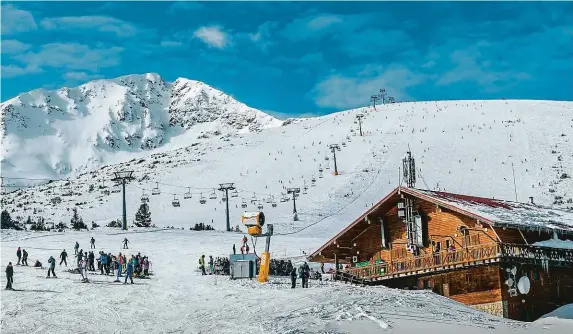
x,y
156,191
283,199
224,198
326,157
213,195
343,144
243,204
235,193
116,188
274,204
327,167
320,170
270,199
202,199
105,192
304,190
320,175
188,194
260,206
175,201
254,199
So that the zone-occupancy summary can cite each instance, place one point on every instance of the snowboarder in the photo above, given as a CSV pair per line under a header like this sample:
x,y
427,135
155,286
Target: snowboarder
x,y
202,264
76,247
24,257
211,265
64,256
19,255
129,272
125,241
52,263
9,276
293,278
93,243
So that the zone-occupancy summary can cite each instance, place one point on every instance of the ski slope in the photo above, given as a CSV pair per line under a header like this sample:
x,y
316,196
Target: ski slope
x,y
467,147
179,300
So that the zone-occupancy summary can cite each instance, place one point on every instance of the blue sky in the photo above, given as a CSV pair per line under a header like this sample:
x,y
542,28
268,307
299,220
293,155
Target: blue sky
x,y
298,58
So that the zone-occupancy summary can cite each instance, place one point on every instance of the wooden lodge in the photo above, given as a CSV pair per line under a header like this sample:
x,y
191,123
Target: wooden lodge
x,y
474,250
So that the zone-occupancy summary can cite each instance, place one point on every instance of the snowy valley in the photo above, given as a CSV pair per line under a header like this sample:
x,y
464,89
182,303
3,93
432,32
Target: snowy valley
x,y
183,139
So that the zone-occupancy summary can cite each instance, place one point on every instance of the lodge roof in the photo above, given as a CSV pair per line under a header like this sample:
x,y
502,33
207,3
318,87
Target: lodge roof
x,y
499,213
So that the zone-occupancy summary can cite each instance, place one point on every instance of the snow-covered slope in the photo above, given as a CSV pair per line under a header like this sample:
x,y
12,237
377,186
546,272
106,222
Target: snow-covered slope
x,y
466,147
60,133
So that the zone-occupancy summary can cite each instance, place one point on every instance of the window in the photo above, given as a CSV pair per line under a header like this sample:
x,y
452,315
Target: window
x,y
426,284
447,244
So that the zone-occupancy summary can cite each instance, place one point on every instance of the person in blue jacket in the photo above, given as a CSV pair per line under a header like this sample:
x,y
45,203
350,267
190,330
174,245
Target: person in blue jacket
x,y
103,260
129,272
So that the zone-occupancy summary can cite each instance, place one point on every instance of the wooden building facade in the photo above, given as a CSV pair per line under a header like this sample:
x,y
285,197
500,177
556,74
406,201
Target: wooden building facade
x,y
477,251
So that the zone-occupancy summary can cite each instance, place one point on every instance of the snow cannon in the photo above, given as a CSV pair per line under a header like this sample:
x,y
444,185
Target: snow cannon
x,y
254,222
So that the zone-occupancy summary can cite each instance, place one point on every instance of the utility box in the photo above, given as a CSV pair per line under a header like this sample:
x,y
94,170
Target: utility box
x,y
242,269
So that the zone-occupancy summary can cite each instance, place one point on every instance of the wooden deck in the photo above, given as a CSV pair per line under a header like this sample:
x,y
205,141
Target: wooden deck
x,y
460,258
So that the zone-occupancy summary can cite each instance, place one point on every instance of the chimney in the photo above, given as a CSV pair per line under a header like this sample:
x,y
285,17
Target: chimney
x,y
531,199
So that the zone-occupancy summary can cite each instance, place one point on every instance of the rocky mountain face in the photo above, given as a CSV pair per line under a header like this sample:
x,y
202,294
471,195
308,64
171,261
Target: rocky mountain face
x,y
133,113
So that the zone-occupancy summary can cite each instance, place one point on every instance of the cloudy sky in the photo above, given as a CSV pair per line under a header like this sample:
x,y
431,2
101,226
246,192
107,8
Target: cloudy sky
x,y
298,57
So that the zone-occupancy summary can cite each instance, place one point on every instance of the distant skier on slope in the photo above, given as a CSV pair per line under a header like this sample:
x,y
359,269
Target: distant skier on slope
x,y
9,276
63,257
93,243
202,264
293,278
76,247
19,255
125,241
24,257
52,263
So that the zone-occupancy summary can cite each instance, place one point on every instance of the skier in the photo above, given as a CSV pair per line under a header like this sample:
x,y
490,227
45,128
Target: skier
x,y
76,247
80,256
234,250
117,268
322,267
145,266
9,276
211,265
19,254
93,243
103,261
202,264
293,278
52,263
125,241
82,270
91,258
305,275
24,257
64,256
129,272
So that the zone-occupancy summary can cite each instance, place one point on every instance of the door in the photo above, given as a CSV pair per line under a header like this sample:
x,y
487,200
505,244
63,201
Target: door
x,y
446,290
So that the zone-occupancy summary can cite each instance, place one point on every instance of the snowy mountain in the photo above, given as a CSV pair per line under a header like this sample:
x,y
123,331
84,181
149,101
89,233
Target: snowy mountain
x,y
60,133
500,149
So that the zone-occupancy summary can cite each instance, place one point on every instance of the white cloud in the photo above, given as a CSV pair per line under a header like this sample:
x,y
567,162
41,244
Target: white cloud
x,y
15,20
71,56
81,76
12,46
11,71
212,36
343,92
323,21
104,24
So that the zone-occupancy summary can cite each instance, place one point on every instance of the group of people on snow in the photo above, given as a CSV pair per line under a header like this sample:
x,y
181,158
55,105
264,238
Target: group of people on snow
x,y
137,265
211,264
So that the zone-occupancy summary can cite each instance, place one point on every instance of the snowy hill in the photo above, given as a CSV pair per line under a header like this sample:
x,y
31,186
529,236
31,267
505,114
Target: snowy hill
x,y
467,147
59,133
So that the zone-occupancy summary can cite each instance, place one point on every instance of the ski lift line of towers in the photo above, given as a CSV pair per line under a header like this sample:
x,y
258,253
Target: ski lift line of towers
x,y
270,198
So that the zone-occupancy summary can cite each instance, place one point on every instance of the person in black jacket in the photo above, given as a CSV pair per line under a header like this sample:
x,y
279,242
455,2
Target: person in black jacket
x,y
19,255
64,256
93,243
305,275
293,278
9,276
24,257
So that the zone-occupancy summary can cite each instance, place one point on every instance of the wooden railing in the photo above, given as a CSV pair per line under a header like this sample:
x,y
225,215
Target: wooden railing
x,y
463,256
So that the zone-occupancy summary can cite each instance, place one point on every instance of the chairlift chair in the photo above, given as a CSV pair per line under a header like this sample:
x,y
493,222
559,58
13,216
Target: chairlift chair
x,y
144,197
327,167
320,170
156,191
188,194
175,201
213,195
202,199
105,192
116,188
326,158
235,193
254,199
260,206
304,190
274,204
243,204
224,198
320,175
343,144
270,200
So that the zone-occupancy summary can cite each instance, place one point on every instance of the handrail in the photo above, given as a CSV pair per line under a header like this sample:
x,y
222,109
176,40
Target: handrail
x,y
462,256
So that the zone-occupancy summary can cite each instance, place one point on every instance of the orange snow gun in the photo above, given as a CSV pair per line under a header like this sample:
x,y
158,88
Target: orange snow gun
x,y
254,222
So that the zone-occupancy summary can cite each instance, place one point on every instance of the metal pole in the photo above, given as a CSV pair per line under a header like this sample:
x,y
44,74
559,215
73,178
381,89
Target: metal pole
x,y
335,166
360,126
124,212
294,202
227,211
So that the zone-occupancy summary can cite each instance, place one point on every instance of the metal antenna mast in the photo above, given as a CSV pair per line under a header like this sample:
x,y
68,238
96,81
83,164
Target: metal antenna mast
x,y
409,167
294,192
226,187
359,118
123,177
333,149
